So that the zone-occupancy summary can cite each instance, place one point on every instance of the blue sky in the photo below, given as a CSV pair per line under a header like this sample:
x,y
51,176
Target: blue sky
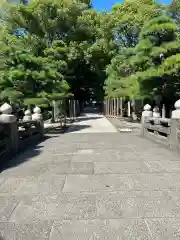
x,y
107,4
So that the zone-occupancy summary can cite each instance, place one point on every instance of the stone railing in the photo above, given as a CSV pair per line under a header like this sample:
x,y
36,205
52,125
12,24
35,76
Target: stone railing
x,y
18,135
4,138
160,129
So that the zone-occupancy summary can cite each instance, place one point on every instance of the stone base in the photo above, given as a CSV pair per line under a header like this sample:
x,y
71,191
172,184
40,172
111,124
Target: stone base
x,y
7,118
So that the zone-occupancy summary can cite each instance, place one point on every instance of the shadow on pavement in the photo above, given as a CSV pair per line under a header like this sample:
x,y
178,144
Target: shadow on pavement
x,y
72,128
23,156
56,130
81,119
76,127
35,150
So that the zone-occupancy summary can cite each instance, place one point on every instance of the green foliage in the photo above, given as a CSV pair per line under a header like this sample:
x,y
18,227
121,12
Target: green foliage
x,y
151,66
73,51
67,49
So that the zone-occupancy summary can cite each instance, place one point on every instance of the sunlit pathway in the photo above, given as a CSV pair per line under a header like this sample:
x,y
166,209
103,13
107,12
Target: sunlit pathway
x,y
92,123
97,184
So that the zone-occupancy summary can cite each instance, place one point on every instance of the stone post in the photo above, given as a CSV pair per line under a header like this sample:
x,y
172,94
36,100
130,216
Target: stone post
x,y
77,107
156,113
37,116
54,115
8,118
117,108
74,109
72,115
69,105
163,111
145,115
27,115
129,109
114,109
110,101
133,104
121,106
108,107
105,107
175,126
111,107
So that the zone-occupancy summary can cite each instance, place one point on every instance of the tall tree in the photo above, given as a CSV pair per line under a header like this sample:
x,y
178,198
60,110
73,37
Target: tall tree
x,y
130,18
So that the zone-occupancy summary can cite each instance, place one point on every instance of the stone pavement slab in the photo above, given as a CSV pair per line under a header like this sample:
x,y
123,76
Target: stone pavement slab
x,y
7,204
97,184
112,229
56,207
13,231
119,182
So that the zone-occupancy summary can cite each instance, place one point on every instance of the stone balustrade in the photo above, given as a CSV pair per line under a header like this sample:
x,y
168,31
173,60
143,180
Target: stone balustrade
x,y
161,129
16,135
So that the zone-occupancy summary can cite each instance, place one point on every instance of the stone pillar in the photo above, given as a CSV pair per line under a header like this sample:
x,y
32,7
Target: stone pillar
x,y
111,107
145,115
74,109
176,112
69,104
54,115
105,107
27,115
72,116
129,109
37,116
121,106
156,113
8,118
108,107
117,108
163,111
133,104
114,110
175,126
78,107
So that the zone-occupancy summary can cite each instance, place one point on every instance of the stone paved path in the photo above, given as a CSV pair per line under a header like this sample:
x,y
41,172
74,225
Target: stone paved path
x,y
92,186
92,123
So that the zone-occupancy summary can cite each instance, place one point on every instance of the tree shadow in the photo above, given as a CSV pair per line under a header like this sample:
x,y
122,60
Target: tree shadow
x,y
25,155
76,127
81,119
22,157
34,150
56,130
